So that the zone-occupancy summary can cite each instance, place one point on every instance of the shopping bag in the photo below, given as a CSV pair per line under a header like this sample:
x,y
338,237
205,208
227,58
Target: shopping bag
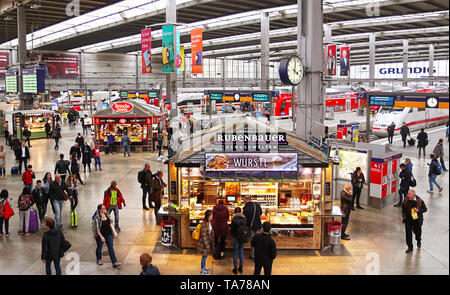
x,y
196,233
8,210
33,225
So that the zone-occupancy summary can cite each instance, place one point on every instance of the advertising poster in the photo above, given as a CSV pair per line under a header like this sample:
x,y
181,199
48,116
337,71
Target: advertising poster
x,y
251,162
168,50
345,61
59,65
349,161
197,50
331,60
178,53
4,62
182,58
146,48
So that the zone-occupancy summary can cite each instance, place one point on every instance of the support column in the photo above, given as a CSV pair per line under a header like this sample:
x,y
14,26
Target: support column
x,y
405,62
372,49
80,76
26,100
171,79
431,63
137,71
224,72
309,40
265,51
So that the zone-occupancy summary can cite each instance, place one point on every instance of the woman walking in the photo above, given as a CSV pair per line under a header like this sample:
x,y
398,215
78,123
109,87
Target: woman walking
x,y
2,163
422,142
86,150
46,185
3,220
72,185
205,244
237,222
75,167
409,164
52,247
220,227
25,202
103,233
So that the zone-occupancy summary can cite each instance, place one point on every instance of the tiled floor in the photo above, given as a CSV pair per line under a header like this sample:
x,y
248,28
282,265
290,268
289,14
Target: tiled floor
x,y
376,235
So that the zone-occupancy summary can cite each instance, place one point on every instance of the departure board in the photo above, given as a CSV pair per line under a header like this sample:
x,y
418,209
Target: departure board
x,y
33,80
11,81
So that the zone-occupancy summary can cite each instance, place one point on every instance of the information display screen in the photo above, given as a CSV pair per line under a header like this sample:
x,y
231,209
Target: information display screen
x,y
11,81
264,97
33,80
382,101
215,96
153,94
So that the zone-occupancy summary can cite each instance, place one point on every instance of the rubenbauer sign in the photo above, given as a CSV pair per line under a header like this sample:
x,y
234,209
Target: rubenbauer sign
x,y
251,162
250,138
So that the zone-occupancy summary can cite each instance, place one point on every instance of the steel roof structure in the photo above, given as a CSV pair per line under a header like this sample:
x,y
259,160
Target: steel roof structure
x,y
232,27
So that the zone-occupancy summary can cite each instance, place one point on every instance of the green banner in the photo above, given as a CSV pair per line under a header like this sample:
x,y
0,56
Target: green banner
x,y
168,59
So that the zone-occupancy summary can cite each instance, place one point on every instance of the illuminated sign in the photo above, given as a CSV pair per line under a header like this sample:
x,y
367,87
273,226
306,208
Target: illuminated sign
x,y
122,107
382,101
251,162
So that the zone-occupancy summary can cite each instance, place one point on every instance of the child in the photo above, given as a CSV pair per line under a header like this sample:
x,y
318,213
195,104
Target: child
x,y
97,158
72,185
2,163
3,199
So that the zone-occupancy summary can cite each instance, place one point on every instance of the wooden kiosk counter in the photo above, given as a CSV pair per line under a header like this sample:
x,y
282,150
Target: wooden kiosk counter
x,y
247,160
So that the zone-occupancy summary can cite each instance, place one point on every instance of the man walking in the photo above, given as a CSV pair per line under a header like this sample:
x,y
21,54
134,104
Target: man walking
x,y
158,186
59,192
412,211
22,155
390,131
404,132
145,179
252,212
57,135
405,181
113,200
76,149
439,153
265,250
62,167
422,142
346,208
433,172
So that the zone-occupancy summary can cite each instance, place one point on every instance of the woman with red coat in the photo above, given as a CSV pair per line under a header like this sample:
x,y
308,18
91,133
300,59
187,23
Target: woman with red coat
x,y
220,227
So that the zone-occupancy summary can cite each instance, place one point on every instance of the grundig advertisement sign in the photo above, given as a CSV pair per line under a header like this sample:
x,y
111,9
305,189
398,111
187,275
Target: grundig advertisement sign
x,y
122,107
251,162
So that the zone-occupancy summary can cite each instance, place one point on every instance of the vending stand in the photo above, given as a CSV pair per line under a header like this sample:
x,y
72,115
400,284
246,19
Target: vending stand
x,y
130,116
379,164
246,160
33,119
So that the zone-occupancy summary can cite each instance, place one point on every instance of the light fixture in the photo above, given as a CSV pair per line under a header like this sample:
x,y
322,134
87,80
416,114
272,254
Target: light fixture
x,y
8,18
36,6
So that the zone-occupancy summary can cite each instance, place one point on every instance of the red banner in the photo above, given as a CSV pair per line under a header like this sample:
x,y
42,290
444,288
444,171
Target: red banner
x,y
146,48
59,65
4,62
331,60
345,60
197,50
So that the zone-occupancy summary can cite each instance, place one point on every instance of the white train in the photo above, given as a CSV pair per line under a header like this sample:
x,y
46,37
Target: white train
x,y
414,117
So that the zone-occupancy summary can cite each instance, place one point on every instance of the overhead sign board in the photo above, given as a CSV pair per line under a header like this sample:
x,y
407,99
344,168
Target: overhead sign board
x,y
382,100
122,107
11,81
286,162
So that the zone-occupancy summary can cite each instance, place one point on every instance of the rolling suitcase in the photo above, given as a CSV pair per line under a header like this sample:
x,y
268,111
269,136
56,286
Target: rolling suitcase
x,y
73,219
34,225
411,141
14,170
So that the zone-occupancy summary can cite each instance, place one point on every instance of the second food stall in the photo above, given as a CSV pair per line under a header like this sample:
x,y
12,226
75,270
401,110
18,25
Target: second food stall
x,y
34,120
245,160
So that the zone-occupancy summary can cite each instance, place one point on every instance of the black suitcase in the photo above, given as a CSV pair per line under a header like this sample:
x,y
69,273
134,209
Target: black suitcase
x,y
411,141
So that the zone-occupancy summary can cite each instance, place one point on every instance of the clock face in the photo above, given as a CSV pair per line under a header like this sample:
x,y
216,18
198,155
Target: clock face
x,y
295,70
432,102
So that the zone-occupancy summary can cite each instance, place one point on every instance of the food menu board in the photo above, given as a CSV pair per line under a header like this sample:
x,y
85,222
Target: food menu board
x,y
33,80
251,162
11,81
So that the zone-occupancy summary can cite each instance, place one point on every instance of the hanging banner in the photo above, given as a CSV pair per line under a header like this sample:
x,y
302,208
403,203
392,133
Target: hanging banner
x,y
4,62
146,48
345,60
58,65
178,53
197,50
331,60
182,58
168,49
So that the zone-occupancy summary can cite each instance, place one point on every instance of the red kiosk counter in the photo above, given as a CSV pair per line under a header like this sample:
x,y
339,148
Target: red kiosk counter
x,y
139,121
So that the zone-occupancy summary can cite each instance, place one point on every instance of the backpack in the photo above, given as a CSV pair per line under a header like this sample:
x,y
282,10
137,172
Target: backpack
x,y
24,203
243,233
438,168
2,210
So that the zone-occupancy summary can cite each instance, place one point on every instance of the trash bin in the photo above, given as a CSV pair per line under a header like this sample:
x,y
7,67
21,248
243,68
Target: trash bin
x,y
168,232
334,232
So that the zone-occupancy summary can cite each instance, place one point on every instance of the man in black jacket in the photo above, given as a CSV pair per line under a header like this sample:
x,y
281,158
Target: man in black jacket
x,y
252,212
48,129
58,193
357,183
22,155
265,250
27,134
145,179
404,132
390,131
62,167
80,140
52,247
412,211
433,173
405,181
76,149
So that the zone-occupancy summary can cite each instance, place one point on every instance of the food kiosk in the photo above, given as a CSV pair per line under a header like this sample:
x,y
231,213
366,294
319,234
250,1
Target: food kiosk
x,y
33,119
246,160
140,121
379,164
